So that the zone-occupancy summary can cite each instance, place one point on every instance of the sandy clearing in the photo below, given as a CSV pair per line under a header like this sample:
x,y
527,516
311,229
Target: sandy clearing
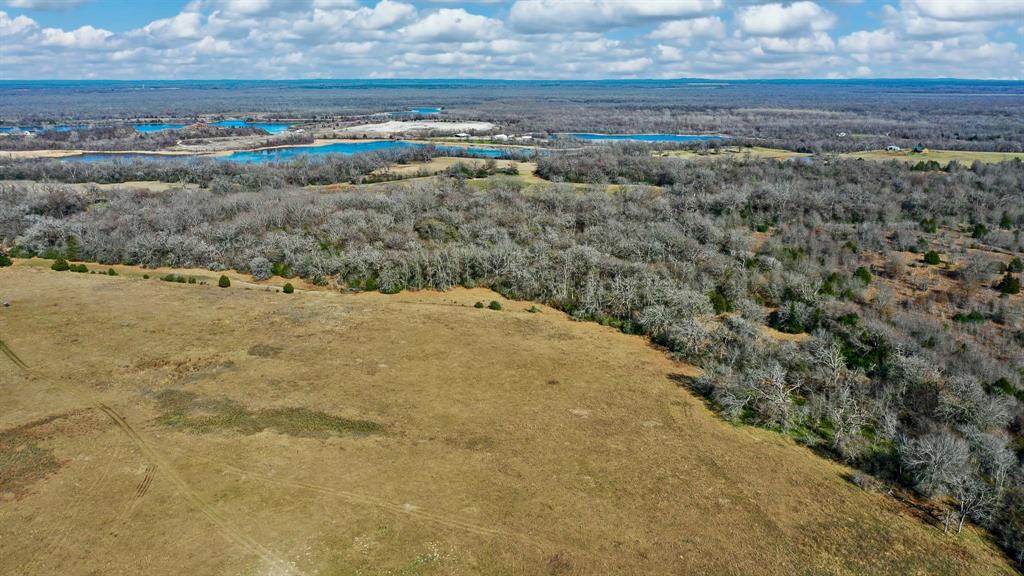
x,y
403,127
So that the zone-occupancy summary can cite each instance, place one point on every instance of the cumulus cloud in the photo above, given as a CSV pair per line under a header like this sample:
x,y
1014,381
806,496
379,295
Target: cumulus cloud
x,y
84,37
683,31
533,16
46,4
451,25
784,19
962,10
529,39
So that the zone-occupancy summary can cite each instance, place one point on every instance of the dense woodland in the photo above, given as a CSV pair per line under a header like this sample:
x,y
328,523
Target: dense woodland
x,y
907,279
119,138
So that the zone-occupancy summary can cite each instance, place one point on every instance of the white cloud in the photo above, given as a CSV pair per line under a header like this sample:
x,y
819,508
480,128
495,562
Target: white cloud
x,y
784,20
965,10
451,25
183,26
669,53
14,26
683,31
864,41
84,37
634,66
46,4
533,16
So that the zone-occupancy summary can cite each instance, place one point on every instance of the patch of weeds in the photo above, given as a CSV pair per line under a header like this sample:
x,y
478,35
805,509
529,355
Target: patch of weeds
x,y
189,412
264,350
533,310
23,462
478,305
494,305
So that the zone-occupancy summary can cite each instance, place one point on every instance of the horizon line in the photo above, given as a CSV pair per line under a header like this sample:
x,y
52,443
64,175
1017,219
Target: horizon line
x,y
476,79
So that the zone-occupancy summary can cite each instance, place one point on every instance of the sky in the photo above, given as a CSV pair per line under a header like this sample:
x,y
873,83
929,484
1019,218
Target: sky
x,y
510,39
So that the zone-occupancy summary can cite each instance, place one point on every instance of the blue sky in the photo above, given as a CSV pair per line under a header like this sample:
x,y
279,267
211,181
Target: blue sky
x,y
133,39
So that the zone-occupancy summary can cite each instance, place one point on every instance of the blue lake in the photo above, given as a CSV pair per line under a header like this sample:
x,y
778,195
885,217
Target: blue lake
x,y
416,112
269,127
285,154
643,137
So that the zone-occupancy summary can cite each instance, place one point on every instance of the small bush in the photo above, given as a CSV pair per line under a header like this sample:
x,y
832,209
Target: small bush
x,y
932,258
863,274
224,281
168,278
494,305
5,260
191,280
60,265
1010,284
1015,265
478,305
288,288
80,268
111,272
979,231
145,276
533,310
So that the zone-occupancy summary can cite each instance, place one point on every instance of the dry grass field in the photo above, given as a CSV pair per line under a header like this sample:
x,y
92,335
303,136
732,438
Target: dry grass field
x,y
157,428
941,156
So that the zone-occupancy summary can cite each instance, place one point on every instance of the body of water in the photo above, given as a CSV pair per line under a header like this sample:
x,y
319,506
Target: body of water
x,y
643,137
285,154
416,112
269,127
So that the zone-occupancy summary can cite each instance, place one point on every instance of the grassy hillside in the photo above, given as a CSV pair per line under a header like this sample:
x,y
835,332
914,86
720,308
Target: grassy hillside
x,y
163,428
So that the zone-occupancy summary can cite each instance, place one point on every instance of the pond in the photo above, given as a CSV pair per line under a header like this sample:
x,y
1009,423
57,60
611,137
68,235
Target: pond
x,y
426,111
272,128
643,137
284,154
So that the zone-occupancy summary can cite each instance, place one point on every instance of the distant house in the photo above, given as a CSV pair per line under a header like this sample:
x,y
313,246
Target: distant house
x,y
892,148
841,134
500,137
462,135
526,137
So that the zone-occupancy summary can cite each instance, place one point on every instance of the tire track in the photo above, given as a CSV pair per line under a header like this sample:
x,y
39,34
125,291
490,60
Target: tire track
x,y
12,356
398,509
226,527
140,491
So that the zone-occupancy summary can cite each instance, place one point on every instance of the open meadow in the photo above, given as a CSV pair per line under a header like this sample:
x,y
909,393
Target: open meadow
x,y
162,428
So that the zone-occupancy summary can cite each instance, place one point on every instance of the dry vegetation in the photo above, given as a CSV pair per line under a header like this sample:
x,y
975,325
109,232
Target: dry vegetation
x,y
167,429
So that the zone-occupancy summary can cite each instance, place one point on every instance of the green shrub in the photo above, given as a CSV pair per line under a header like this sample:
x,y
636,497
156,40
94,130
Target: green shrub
x,y
719,302
5,260
145,276
1015,265
979,231
1010,284
972,316
863,274
478,305
929,225
191,280
494,305
111,272
932,258
288,288
169,278
533,310
60,265
224,281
